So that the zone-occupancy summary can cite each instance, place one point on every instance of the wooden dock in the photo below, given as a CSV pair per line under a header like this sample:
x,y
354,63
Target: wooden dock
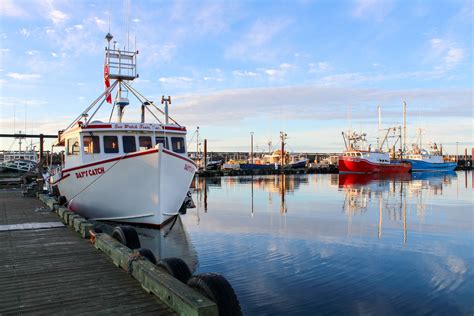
x,y
54,271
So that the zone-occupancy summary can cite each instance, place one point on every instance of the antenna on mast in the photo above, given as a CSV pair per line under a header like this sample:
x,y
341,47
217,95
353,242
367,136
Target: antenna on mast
x,y
380,125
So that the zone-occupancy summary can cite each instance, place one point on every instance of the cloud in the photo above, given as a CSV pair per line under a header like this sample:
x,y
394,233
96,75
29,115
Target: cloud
x,y
372,9
23,76
320,66
244,73
212,18
278,72
24,32
58,17
101,24
271,72
355,78
444,53
8,8
314,103
12,101
4,51
453,57
254,44
175,80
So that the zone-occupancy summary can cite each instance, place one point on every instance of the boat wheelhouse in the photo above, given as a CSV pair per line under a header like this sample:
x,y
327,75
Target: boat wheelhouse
x,y
135,172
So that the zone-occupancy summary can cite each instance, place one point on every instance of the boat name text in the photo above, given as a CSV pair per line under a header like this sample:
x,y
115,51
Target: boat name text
x,y
90,172
188,167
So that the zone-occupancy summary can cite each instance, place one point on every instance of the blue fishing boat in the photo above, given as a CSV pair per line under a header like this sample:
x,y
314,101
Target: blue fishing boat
x,y
422,160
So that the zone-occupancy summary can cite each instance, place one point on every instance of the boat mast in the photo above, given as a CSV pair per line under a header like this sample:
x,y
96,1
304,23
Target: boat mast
x,y
380,125
404,128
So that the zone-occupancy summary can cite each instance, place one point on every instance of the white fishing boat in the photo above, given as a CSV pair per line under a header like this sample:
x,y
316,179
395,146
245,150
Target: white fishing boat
x,y
18,161
135,172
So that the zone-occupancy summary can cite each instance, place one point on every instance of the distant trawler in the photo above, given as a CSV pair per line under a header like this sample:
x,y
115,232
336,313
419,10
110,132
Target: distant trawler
x,y
359,158
423,160
128,172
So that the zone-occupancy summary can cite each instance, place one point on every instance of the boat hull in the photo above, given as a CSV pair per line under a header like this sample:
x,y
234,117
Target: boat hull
x,y
357,165
254,166
420,165
145,187
297,165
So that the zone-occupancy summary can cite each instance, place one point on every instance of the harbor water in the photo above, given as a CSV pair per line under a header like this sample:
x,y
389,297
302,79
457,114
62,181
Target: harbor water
x,y
333,244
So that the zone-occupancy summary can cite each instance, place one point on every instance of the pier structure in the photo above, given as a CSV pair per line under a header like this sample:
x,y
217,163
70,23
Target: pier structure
x,y
47,268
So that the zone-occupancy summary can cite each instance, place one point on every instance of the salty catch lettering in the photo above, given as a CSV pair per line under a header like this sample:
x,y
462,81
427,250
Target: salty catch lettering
x,y
188,168
90,172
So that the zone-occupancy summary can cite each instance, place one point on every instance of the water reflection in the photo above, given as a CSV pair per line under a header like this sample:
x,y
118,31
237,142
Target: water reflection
x,y
391,193
171,241
331,244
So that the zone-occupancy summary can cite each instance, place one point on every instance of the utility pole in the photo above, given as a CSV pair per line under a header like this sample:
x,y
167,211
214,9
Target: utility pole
x,y
205,153
282,156
457,151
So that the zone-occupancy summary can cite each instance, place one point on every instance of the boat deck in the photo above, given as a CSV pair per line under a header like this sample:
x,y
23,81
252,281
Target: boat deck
x,y
53,271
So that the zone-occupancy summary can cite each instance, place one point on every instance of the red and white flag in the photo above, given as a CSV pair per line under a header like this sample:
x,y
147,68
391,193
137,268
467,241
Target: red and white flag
x,y
107,82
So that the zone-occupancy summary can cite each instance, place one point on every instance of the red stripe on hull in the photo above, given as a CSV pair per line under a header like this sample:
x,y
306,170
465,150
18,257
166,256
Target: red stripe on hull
x,y
127,156
363,166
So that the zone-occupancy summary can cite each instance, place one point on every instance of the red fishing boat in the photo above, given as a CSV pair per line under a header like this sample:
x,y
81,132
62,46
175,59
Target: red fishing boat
x,y
358,158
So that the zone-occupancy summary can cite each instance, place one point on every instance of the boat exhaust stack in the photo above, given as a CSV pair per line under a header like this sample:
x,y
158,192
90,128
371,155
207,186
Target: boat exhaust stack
x,y
166,101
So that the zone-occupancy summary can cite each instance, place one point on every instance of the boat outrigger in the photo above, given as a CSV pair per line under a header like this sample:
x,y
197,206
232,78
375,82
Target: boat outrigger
x,y
128,172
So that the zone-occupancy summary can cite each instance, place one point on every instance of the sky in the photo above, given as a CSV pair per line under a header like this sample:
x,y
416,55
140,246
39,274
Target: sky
x,y
310,68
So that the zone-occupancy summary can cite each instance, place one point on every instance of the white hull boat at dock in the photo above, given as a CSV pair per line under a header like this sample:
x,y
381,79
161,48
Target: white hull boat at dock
x,y
127,172
146,187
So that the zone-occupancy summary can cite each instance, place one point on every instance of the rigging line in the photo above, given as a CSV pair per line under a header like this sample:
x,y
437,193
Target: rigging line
x,y
146,107
107,91
109,14
90,118
189,142
151,102
143,100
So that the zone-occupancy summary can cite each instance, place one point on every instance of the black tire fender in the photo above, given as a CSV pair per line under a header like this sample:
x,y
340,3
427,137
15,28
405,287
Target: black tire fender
x,y
127,235
147,253
215,287
62,200
176,267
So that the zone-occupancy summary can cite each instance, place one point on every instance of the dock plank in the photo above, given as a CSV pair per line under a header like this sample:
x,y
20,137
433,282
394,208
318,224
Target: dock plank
x,y
54,271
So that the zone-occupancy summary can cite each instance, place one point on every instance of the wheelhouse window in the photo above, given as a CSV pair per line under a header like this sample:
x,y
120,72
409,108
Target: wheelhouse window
x,y
91,144
73,146
177,143
129,144
145,142
111,144
162,140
